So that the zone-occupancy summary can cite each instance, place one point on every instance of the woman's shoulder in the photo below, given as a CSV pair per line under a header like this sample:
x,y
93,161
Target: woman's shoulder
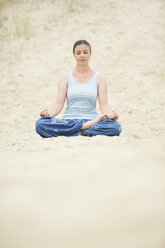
x,y
101,78
64,78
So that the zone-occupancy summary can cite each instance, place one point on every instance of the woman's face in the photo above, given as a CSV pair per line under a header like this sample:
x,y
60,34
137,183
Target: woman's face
x,y
82,54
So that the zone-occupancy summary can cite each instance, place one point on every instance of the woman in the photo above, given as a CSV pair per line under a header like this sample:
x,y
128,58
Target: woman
x,y
81,89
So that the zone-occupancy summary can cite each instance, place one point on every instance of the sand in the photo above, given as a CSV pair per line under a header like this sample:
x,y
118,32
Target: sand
x,y
97,192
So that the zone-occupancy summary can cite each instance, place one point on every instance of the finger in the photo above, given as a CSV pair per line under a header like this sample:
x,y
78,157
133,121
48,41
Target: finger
x,y
116,117
105,116
42,112
115,114
110,117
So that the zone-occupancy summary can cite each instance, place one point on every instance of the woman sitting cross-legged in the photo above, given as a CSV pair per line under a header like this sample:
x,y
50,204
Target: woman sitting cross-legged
x,y
81,88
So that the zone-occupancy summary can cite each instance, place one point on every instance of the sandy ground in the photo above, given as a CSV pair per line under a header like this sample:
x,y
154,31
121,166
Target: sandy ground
x,y
97,192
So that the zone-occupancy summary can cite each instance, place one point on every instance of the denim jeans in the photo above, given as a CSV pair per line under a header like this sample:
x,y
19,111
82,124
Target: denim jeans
x,y
48,127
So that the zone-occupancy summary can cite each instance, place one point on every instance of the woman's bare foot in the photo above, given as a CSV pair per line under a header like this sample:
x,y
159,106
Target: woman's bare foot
x,y
89,124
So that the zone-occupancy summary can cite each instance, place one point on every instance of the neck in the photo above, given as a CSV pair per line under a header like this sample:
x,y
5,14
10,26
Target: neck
x,y
82,69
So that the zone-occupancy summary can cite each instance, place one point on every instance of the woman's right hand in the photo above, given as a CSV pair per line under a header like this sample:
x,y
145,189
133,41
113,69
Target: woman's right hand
x,y
101,118
44,113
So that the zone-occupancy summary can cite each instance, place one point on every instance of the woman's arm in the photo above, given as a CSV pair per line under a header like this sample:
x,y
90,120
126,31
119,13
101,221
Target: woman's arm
x,y
57,107
103,99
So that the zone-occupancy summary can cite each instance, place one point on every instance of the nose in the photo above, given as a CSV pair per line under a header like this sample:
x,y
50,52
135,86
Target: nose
x,y
82,55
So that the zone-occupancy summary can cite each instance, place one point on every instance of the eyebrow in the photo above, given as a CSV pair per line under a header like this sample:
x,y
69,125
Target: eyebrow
x,y
83,50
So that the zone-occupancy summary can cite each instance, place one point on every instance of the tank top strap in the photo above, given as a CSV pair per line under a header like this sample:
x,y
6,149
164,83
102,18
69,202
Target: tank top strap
x,y
96,77
70,78
96,74
70,75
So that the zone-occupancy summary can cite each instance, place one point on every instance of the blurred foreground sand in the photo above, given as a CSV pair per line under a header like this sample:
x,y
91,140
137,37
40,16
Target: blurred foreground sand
x,y
81,191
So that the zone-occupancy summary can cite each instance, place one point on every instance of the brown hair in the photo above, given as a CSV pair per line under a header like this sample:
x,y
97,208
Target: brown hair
x,y
79,42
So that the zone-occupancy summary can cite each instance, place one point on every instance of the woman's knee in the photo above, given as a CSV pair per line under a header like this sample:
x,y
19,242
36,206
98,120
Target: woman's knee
x,y
39,125
114,127
118,128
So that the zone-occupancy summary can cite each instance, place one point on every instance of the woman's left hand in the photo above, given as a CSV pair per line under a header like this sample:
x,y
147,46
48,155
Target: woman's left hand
x,y
113,115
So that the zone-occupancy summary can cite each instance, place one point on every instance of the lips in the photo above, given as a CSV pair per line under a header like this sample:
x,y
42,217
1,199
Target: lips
x,y
82,59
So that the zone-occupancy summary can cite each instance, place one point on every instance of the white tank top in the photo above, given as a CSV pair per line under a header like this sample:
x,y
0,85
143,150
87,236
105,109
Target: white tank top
x,y
81,98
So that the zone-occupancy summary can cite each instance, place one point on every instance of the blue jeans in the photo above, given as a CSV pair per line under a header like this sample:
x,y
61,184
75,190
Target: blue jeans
x,y
48,127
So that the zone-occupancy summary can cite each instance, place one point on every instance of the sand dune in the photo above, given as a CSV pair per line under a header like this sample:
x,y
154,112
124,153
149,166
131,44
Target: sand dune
x,y
81,191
